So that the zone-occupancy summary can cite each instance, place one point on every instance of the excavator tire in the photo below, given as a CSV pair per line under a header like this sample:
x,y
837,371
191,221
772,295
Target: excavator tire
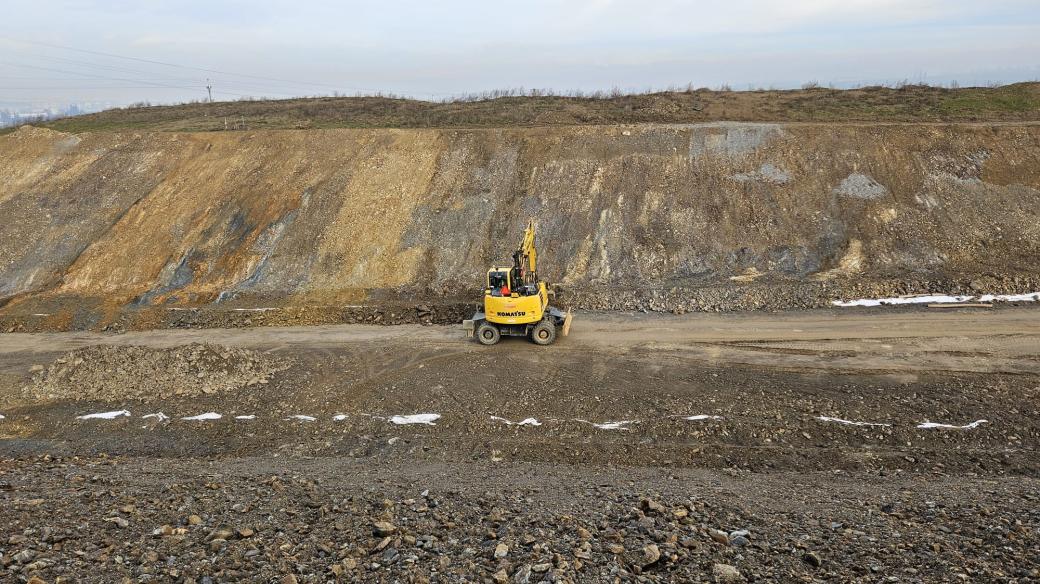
x,y
488,334
543,333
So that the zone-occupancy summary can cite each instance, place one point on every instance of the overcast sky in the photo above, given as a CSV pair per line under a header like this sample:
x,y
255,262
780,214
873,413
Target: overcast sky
x,y
433,48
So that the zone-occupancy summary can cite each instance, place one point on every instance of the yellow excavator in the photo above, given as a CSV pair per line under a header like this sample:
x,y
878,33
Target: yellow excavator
x,y
516,301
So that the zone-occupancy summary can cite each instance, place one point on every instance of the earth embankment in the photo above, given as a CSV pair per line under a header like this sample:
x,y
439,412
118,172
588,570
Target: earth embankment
x,y
714,216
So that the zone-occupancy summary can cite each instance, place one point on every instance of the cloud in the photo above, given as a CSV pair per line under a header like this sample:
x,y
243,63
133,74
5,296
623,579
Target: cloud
x,y
461,45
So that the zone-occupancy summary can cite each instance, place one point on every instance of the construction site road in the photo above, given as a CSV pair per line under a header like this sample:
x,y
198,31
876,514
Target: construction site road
x,y
903,340
855,445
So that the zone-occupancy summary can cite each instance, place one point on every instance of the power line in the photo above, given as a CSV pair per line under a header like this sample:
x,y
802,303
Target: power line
x,y
89,75
260,89
87,87
244,85
88,64
125,80
49,79
185,82
179,66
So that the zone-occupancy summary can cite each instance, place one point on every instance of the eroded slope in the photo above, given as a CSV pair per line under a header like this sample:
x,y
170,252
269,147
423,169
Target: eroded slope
x,y
352,216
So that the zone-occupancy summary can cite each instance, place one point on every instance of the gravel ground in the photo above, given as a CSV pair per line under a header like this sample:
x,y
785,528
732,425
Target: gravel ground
x,y
610,482
105,519
138,373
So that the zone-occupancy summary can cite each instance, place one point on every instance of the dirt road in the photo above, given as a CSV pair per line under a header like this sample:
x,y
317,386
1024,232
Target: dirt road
x,y
903,340
867,445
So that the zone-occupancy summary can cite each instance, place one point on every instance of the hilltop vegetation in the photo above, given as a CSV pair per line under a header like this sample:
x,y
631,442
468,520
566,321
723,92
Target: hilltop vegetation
x,y
909,103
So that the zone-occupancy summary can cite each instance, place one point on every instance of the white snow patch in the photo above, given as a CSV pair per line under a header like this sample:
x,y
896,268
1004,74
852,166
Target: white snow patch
x,y
427,419
204,417
614,425
939,298
849,422
104,415
620,425
700,417
930,425
249,417
524,422
158,416
302,418
1028,297
253,309
339,417
1,416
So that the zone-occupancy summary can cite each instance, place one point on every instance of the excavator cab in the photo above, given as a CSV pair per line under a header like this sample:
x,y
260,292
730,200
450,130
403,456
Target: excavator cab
x,y
498,280
516,301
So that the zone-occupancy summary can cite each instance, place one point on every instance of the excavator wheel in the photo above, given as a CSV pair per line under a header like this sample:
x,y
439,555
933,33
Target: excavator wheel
x,y
543,333
488,334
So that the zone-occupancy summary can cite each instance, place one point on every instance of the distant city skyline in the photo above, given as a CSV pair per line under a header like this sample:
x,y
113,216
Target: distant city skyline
x,y
13,115
117,52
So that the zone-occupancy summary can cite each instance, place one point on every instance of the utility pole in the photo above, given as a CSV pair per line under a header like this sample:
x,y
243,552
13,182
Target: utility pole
x,y
209,90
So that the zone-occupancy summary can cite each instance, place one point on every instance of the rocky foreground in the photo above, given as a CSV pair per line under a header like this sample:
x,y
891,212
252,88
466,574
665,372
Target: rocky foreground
x,y
874,446
105,519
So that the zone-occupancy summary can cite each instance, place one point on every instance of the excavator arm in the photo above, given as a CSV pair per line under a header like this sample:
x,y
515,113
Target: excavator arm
x,y
525,258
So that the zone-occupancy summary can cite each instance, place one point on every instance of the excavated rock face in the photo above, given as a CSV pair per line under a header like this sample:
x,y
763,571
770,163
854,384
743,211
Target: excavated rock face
x,y
352,216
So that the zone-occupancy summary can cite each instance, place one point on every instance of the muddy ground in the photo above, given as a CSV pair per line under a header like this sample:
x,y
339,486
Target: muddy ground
x,y
609,482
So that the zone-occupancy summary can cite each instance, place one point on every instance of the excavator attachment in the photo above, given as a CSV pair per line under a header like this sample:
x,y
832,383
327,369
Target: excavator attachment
x,y
567,323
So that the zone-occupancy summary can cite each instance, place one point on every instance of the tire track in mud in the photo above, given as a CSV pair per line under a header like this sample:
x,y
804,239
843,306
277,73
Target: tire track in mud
x,y
843,361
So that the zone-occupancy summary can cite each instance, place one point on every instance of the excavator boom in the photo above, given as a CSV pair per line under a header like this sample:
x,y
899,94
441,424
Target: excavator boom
x,y
526,248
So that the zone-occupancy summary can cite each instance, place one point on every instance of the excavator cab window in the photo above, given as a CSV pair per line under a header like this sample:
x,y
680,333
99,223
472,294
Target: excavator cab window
x,y
497,281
